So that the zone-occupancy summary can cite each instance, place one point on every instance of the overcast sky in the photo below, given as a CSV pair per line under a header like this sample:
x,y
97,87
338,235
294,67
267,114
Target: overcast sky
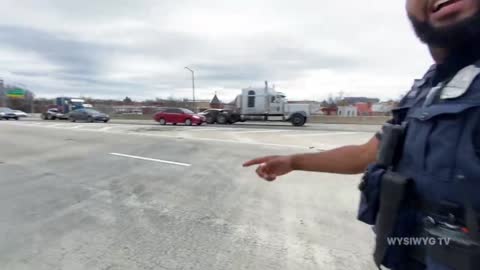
x,y
139,48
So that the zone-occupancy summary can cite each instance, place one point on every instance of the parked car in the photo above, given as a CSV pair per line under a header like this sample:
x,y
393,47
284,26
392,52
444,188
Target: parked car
x,y
89,115
179,115
211,115
52,114
7,113
20,113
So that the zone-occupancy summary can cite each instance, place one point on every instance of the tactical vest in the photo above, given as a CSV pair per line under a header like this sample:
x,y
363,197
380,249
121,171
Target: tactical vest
x,y
439,154
440,149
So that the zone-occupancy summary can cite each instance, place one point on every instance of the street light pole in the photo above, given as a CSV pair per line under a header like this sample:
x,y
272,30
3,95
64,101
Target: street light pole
x,y
193,88
3,102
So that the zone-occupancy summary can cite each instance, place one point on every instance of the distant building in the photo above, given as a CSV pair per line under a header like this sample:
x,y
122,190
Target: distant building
x,y
129,109
355,100
363,108
202,105
330,110
347,111
216,103
383,108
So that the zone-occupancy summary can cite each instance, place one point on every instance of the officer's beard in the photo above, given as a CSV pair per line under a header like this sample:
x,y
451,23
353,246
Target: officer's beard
x,y
461,34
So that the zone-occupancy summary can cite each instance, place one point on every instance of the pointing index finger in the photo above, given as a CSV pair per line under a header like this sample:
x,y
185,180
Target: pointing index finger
x,y
256,161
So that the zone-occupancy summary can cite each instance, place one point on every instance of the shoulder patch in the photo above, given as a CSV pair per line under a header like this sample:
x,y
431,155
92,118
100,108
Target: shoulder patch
x,y
460,83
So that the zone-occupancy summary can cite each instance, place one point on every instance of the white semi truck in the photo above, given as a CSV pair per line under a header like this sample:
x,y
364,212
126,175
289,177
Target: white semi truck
x,y
263,104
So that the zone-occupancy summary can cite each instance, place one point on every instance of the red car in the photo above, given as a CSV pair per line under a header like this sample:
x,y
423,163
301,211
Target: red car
x,y
178,115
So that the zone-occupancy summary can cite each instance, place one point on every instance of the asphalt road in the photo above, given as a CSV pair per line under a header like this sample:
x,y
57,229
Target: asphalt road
x,y
253,124
123,196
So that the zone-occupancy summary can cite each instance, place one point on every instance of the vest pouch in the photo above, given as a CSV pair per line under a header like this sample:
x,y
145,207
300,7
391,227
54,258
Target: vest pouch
x,y
370,194
396,220
395,251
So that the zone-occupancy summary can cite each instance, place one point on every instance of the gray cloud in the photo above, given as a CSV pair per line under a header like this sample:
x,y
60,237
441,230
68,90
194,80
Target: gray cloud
x,y
73,57
84,62
30,73
140,48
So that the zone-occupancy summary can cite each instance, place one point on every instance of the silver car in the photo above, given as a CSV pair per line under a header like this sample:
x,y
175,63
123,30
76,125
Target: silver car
x,y
7,114
20,113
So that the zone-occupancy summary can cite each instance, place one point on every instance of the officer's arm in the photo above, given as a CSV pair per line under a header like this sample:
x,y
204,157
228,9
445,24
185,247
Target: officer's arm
x,y
352,159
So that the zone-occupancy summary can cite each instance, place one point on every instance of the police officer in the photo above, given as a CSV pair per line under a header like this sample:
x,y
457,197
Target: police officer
x,y
423,169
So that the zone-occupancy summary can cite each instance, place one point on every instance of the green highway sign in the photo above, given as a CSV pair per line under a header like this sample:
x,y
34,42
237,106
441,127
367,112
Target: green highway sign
x,y
16,93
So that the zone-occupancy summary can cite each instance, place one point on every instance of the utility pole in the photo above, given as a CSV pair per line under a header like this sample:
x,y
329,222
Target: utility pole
x,y
2,94
32,102
193,88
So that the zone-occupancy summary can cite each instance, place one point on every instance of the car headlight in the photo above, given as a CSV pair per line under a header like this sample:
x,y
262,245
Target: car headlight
x,y
2,113
196,117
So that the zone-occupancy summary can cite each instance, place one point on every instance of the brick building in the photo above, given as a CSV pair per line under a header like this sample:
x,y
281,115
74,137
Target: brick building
x,y
216,103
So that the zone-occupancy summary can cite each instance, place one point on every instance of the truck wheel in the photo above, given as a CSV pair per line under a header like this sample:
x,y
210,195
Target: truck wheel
x,y
210,120
298,120
222,119
188,122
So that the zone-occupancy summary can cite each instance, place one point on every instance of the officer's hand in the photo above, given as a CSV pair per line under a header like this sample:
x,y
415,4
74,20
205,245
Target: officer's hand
x,y
272,166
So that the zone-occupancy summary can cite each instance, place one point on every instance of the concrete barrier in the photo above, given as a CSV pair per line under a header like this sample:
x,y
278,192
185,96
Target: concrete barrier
x,y
321,119
324,119
359,120
132,116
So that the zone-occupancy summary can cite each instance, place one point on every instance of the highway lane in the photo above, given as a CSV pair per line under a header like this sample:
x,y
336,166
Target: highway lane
x,y
86,198
250,125
264,135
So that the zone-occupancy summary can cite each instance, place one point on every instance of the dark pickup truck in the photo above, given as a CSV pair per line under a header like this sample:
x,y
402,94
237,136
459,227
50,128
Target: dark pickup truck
x,y
53,114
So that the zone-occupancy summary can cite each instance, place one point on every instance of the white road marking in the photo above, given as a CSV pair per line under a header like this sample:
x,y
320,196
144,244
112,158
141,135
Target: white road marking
x,y
105,128
152,159
75,127
56,125
211,129
236,142
322,134
316,146
263,131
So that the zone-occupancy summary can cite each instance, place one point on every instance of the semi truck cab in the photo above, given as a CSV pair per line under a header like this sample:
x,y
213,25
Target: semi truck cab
x,y
67,104
266,104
